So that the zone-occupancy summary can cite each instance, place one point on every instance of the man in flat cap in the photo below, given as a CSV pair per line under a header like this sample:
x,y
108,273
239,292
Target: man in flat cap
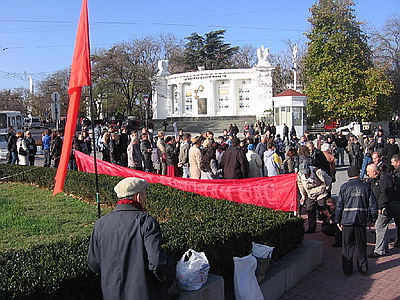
x,y
356,206
125,247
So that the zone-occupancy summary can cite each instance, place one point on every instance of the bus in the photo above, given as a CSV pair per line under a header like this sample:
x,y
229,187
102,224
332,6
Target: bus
x,y
10,118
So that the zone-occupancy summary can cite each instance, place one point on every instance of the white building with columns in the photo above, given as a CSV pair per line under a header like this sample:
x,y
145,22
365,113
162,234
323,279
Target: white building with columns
x,y
213,93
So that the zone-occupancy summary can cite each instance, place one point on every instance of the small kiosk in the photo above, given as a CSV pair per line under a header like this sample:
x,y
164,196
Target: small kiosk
x,y
290,109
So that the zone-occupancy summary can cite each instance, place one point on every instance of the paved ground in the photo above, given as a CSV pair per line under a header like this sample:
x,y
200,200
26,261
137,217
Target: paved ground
x,y
328,280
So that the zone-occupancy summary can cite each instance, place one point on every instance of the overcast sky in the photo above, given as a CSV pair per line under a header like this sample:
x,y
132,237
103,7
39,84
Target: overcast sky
x,y
37,37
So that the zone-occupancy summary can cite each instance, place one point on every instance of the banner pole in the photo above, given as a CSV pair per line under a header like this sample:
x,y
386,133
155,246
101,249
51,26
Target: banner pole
x,y
94,152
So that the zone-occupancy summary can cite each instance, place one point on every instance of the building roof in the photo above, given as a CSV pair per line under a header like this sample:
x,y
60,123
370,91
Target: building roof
x,y
290,92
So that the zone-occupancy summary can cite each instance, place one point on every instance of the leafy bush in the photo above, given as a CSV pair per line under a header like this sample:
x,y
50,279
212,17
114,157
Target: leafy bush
x,y
56,270
222,229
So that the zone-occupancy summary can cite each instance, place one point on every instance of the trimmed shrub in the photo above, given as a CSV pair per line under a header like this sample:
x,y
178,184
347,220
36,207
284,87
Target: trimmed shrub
x,y
221,228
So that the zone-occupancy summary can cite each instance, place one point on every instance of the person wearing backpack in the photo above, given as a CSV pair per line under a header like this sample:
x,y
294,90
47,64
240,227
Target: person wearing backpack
x,y
22,149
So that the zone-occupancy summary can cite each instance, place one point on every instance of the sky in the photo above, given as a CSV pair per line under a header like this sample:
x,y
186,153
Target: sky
x,y
37,37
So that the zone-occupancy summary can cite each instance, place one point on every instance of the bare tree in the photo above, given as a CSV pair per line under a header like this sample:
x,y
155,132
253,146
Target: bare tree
x,y
245,57
284,66
123,73
57,82
16,99
386,54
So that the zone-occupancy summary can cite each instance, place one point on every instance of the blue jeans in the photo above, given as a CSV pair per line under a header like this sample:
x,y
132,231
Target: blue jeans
x,y
185,172
14,157
47,159
365,163
340,153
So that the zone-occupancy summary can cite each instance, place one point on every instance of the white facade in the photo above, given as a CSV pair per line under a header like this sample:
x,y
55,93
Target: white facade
x,y
227,92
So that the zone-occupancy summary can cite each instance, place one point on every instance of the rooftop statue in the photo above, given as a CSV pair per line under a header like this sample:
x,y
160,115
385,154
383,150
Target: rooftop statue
x,y
163,68
263,57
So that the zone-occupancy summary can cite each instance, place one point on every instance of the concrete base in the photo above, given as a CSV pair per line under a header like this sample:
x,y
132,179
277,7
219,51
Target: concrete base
x,y
212,289
290,269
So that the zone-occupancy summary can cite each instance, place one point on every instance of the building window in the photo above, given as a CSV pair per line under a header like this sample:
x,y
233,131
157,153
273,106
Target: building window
x,y
188,100
223,96
243,91
297,116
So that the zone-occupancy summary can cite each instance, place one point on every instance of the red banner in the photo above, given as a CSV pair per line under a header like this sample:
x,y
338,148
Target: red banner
x,y
277,192
80,76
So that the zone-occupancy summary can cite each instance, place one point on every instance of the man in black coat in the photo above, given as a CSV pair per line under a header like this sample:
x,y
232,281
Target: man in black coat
x,y
285,133
56,147
341,144
391,148
383,189
394,209
125,247
12,153
234,164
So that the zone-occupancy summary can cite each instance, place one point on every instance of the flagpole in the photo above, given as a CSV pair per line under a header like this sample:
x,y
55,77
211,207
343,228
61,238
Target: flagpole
x,y
94,153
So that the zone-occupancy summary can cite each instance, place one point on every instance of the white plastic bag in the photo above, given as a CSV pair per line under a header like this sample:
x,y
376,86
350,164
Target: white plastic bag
x,y
192,271
245,281
263,255
261,251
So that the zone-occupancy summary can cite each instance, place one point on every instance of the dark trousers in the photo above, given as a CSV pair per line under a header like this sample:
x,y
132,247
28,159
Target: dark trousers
x,y
332,230
312,207
354,240
31,160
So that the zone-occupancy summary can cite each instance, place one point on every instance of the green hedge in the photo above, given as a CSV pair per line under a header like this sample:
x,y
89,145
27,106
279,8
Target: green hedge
x,y
222,229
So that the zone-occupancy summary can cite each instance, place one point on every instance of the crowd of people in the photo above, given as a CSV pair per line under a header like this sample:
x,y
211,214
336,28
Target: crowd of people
x,y
258,151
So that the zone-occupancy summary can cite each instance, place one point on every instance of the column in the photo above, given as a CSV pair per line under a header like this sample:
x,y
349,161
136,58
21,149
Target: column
x,y
212,99
233,97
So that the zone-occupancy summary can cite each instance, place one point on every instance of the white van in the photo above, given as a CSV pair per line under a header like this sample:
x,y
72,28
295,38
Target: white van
x,y
34,122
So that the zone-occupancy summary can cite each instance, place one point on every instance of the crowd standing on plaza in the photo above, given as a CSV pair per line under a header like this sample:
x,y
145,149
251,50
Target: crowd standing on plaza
x,y
258,151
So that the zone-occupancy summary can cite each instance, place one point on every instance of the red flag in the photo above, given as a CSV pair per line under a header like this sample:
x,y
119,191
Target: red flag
x,y
80,76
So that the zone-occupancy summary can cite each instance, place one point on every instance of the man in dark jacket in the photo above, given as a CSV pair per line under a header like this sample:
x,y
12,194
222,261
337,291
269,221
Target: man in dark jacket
x,y
341,144
319,159
146,149
12,152
355,207
234,162
115,149
383,189
125,247
56,147
394,209
391,148
285,133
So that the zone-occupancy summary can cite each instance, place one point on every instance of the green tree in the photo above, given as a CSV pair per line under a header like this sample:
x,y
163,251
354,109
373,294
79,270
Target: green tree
x,y
208,51
341,81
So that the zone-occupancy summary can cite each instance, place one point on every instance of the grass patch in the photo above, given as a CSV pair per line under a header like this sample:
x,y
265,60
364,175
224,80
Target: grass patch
x,y
32,216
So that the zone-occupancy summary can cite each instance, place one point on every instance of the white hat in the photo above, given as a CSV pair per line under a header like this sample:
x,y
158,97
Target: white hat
x,y
130,186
